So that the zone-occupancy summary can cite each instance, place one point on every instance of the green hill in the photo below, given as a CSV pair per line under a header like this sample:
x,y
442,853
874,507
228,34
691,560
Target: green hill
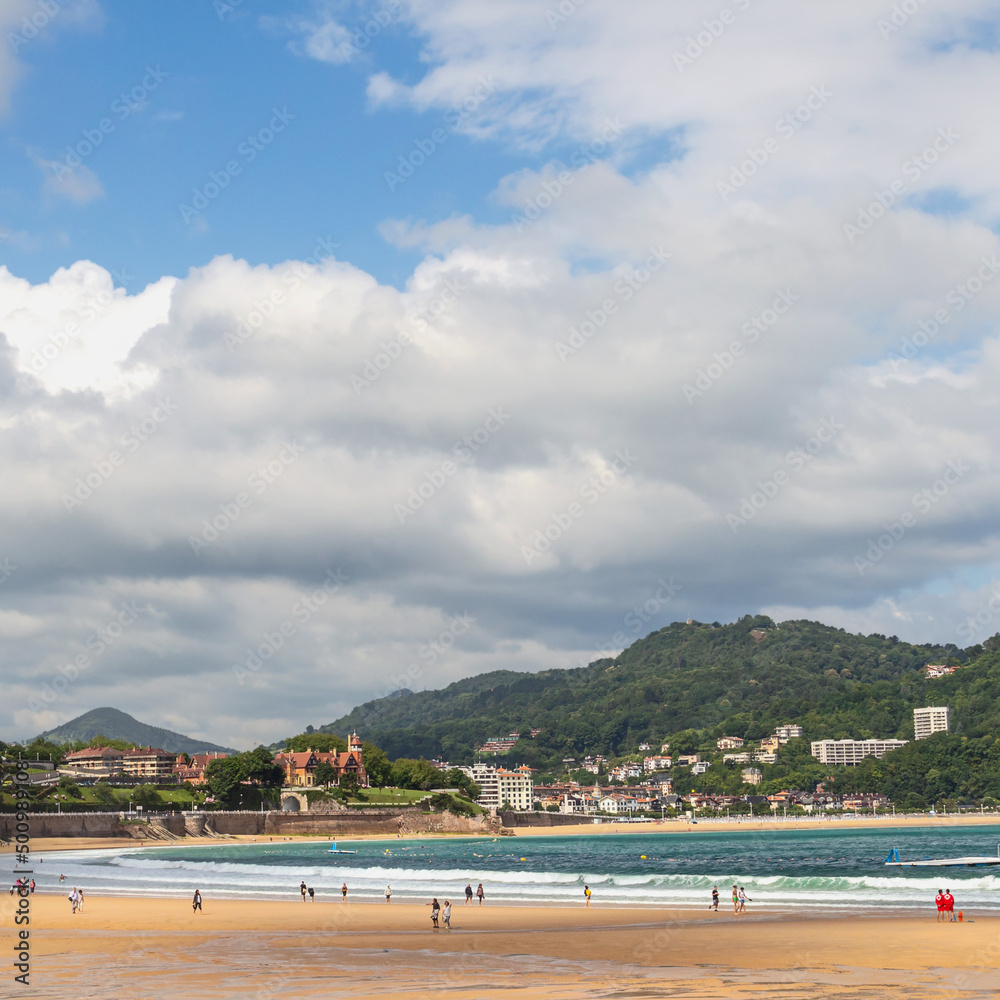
x,y
117,725
687,683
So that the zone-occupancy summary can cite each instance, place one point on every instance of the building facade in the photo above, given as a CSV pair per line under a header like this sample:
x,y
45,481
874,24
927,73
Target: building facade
x,y
300,767
786,733
499,786
851,752
930,720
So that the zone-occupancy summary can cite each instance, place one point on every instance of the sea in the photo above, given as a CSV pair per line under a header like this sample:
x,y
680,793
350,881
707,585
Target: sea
x,y
816,870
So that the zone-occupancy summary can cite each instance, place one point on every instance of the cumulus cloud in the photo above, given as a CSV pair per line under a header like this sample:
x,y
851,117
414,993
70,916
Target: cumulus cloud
x,y
636,397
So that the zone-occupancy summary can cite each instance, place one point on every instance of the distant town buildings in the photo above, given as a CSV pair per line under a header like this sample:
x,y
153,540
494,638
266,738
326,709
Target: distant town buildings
x,y
852,752
730,742
927,721
786,733
933,670
752,775
499,744
140,762
499,786
651,764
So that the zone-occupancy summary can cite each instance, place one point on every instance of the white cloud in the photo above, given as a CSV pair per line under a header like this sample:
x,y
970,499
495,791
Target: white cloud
x,y
810,417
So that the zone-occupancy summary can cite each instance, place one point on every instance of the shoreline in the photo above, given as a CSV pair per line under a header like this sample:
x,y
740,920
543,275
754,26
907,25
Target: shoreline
x,y
606,828
294,949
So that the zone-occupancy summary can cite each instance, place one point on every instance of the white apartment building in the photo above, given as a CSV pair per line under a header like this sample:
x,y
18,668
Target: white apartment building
x,y
927,721
498,786
851,752
786,733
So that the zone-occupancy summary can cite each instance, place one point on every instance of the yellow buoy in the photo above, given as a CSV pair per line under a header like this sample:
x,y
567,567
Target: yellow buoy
x,y
524,859
643,856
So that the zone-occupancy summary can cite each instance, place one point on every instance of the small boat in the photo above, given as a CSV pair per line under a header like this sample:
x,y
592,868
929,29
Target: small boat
x,y
972,861
334,849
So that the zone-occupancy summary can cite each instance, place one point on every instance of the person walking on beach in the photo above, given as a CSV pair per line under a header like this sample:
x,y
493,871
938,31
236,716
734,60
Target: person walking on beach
x,y
586,895
736,900
31,888
468,894
196,902
79,900
939,900
73,898
715,899
302,890
743,900
447,914
480,893
343,892
435,911
388,893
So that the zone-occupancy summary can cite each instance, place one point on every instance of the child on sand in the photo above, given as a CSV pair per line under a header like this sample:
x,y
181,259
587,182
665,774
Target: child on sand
x,y
586,893
196,902
715,899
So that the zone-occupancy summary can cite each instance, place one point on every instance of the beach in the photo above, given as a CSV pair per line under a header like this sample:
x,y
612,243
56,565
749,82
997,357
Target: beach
x,y
153,948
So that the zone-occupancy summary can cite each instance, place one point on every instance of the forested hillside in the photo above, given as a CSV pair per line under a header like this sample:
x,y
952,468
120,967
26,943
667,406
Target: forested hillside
x,y
686,683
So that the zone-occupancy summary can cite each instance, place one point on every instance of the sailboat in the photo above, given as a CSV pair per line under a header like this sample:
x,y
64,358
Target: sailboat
x,y
334,849
972,861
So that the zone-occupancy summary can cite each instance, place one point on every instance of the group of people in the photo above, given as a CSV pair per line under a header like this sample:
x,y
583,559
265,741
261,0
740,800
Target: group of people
x,y
740,899
945,905
311,892
21,885
76,900
436,910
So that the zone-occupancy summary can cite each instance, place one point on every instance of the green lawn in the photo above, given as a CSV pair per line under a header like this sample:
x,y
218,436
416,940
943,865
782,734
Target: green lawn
x,y
391,797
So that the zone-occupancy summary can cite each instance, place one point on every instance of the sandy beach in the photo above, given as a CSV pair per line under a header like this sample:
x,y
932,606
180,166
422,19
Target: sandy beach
x,y
157,948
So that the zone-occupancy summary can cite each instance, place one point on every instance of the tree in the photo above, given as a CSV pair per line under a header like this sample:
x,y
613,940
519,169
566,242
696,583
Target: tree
x,y
312,740
147,796
104,794
70,787
349,785
377,765
325,774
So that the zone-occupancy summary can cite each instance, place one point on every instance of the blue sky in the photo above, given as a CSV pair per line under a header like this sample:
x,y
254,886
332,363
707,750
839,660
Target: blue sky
x,y
223,74
671,326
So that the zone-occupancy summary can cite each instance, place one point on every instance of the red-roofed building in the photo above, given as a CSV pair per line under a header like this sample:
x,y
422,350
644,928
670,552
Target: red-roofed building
x,y
96,759
300,768
148,763
195,771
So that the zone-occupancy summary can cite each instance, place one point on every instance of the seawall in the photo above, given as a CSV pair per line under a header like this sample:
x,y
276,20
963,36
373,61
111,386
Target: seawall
x,y
386,822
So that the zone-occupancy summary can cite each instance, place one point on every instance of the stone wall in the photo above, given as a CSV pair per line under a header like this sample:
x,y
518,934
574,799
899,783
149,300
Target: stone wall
x,y
380,821
515,819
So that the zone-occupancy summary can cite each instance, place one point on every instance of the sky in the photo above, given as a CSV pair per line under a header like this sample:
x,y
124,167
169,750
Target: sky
x,y
352,347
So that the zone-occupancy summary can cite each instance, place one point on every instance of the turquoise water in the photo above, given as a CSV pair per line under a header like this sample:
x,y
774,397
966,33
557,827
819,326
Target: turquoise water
x,y
830,868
